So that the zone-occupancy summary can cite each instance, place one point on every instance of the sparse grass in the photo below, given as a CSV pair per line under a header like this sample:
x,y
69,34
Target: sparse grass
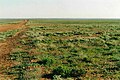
x,y
75,49
7,34
10,21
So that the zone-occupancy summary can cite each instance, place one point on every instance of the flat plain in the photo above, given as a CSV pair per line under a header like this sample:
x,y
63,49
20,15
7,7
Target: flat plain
x,y
60,49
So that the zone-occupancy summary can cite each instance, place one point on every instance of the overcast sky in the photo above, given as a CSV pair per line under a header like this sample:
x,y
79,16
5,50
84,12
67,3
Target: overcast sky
x,y
59,8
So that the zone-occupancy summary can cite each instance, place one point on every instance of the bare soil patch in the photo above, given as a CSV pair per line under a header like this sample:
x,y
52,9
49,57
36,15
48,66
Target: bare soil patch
x,y
12,26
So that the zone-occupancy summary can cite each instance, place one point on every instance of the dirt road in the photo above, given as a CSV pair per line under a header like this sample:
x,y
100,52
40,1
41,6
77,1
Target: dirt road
x,y
13,26
7,46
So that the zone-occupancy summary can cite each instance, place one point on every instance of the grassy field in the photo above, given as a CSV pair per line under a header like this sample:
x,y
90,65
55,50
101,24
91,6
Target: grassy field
x,y
9,21
66,50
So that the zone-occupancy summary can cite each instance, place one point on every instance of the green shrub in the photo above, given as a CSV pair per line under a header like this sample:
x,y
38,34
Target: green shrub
x,y
118,64
46,61
86,59
77,72
115,58
65,71
62,70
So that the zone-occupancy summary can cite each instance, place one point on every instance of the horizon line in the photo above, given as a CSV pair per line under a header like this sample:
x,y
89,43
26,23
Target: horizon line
x,y
58,18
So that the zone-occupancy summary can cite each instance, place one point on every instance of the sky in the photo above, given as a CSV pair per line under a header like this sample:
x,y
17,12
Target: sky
x,y
59,8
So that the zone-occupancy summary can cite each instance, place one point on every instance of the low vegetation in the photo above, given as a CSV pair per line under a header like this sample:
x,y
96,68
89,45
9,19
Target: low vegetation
x,y
7,34
73,50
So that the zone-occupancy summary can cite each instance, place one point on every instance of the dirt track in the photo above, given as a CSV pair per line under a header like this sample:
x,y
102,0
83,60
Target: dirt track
x,y
12,26
7,46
